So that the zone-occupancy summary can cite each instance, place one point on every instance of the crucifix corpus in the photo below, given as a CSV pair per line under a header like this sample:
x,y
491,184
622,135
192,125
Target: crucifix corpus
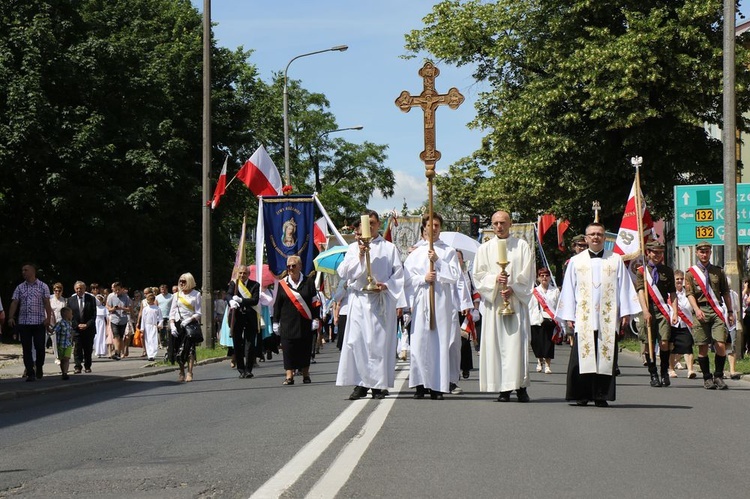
x,y
429,100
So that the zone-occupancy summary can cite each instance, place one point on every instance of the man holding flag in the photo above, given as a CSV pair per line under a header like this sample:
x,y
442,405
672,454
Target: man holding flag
x,y
658,280
706,288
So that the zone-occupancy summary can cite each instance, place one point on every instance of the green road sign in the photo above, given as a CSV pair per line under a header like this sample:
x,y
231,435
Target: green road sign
x,y
699,214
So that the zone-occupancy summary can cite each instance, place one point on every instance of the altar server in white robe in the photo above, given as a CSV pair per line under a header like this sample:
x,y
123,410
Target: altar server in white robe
x,y
503,356
432,348
597,298
368,358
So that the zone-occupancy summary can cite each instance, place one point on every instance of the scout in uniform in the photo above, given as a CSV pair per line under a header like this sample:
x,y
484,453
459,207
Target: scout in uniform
x,y
707,288
657,280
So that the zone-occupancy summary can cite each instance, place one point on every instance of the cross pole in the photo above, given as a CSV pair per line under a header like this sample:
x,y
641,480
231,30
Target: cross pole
x,y
429,100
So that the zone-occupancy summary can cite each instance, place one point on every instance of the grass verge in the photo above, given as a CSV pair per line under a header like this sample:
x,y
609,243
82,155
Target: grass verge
x,y
742,367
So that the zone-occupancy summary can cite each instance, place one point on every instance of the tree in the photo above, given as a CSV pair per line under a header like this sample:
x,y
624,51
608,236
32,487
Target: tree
x,y
100,137
574,89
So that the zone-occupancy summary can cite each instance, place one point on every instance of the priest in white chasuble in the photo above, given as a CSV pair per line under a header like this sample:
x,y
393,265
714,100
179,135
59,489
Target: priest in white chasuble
x,y
597,298
503,353
368,352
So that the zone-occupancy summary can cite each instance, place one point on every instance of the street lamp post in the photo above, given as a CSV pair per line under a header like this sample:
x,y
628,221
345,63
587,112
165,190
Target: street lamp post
x,y
337,48
316,163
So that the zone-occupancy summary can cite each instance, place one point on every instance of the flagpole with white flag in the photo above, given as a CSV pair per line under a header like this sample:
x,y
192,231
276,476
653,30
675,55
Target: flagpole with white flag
x,y
637,161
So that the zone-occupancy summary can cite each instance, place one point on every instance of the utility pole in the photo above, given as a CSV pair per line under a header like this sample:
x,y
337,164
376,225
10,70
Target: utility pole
x,y
207,293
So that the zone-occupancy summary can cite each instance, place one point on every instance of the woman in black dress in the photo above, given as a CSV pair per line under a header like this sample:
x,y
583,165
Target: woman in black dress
x,y
295,316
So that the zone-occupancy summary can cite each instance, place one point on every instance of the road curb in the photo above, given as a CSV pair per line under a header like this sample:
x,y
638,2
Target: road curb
x,y
12,395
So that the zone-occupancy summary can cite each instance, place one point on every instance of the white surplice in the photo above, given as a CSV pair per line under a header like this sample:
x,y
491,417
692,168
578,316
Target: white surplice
x,y
432,349
503,356
596,293
368,353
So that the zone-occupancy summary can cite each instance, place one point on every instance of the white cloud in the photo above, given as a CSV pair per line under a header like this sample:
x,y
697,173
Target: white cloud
x,y
408,187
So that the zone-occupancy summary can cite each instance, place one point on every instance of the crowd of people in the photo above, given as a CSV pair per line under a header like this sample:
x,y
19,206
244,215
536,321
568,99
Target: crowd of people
x,y
101,321
431,306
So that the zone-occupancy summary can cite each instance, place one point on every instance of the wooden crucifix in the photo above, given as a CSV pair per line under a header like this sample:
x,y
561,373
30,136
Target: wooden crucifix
x,y
429,100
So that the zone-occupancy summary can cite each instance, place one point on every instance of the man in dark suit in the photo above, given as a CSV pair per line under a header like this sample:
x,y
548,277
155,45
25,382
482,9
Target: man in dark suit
x,y
242,296
83,306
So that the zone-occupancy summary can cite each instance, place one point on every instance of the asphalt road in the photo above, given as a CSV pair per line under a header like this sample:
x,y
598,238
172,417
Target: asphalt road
x,y
221,436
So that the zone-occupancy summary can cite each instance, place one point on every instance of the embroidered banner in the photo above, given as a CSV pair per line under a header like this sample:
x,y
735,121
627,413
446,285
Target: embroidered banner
x,y
288,222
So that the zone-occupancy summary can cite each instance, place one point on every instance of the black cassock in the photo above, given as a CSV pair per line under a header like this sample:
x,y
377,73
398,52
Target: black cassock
x,y
588,386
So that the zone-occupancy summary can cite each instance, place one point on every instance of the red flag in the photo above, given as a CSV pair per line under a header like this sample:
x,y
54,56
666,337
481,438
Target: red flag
x,y
626,243
469,327
260,175
221,186
320,233
389,224
562,226
545,223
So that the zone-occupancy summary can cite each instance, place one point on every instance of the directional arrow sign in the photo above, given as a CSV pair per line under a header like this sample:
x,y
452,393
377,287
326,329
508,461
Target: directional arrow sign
x,y
699,214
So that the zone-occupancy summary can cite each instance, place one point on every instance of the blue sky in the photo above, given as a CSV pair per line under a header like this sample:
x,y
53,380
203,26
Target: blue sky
x,y
361,83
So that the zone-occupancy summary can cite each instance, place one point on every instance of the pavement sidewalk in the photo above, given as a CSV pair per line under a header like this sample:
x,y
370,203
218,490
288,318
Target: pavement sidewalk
x,y
14,385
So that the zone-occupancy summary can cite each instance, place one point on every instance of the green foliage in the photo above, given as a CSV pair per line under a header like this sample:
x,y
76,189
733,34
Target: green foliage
x,y
100,141
574,88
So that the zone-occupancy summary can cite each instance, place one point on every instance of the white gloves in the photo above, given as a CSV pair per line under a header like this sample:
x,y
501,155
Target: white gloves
x,y
475,315
174,330
276,326
315,324
185,322
238,299
233,304
407,319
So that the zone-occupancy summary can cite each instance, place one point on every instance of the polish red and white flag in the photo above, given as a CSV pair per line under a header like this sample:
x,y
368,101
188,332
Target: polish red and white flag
x,y
260,175
221,186
320,233
627,243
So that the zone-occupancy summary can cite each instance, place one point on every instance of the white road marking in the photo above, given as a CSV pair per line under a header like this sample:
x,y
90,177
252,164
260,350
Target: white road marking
x,y
341,469
299,464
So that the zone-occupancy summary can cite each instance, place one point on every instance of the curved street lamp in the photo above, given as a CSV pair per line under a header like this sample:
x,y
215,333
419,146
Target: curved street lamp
x,y
337,48
316,163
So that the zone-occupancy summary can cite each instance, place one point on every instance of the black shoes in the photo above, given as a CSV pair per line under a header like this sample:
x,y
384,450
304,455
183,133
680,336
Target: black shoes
x,y
290,381
420,392
245,374
465,374
582,403
269,355
665,380
523,395
77,370
377,394
436,395
39,372
504,397
65,376
358,393
306,380
601,403
655,381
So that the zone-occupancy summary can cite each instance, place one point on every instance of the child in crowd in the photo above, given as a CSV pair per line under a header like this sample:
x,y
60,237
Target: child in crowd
x,y
150,320
63,331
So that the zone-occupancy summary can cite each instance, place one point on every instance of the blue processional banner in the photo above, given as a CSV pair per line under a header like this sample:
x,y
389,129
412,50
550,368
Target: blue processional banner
x,y
288,222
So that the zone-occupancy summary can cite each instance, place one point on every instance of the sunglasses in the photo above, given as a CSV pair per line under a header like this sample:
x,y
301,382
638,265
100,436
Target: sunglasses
x,y
182,281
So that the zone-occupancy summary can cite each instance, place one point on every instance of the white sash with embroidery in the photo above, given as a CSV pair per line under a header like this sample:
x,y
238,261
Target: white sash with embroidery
x,y
590,359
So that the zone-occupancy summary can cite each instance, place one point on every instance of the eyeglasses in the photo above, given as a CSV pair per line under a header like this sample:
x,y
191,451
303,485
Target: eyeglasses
x,y
291,266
